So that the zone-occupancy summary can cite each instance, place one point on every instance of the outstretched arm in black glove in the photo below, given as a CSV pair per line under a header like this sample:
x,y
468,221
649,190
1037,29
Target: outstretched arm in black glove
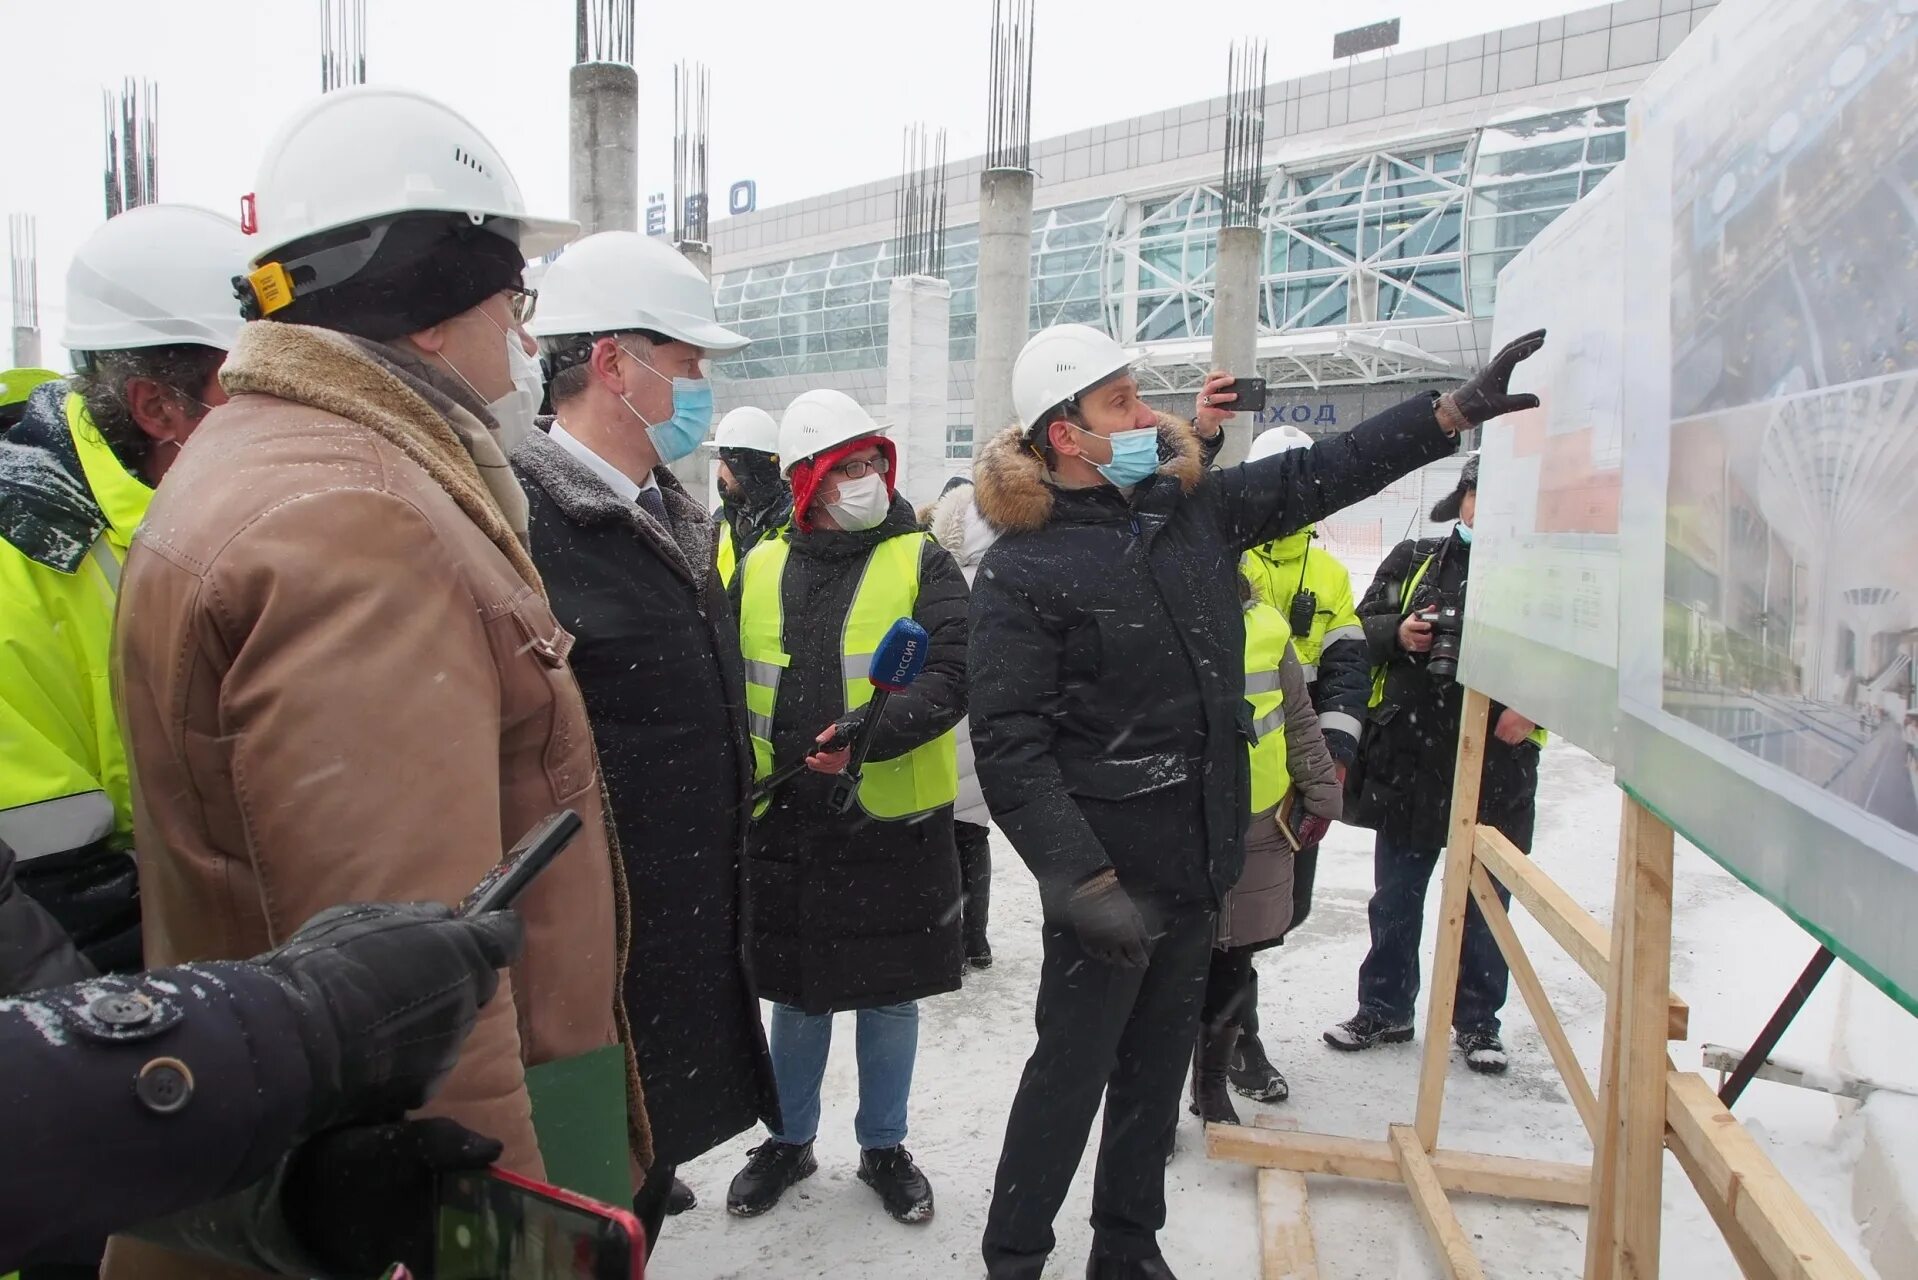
x,y
1487,394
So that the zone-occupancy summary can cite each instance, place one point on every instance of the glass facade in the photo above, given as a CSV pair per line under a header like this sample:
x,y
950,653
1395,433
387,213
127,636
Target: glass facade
x,y
1399,235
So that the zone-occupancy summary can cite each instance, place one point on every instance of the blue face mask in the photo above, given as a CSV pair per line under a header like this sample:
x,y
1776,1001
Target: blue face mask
x,y
1465,534
1135,455
692,418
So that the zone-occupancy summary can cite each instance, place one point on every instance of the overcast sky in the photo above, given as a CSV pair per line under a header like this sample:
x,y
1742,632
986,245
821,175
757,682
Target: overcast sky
x,y
806,98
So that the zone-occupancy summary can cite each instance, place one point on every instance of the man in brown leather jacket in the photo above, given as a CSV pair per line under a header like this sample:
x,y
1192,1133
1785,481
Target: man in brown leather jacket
x,y
340,675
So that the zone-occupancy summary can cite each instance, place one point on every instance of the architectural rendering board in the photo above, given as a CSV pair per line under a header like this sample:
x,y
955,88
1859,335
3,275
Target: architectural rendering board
x,y
1542,614
1771,409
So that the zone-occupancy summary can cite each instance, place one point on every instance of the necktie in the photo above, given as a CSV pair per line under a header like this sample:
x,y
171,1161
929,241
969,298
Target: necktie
x,y
654,505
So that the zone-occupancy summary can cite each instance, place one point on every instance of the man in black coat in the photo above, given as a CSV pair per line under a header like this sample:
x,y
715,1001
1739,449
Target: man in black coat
x,y
1402,787
1110,724
628,562
147,1098
856,910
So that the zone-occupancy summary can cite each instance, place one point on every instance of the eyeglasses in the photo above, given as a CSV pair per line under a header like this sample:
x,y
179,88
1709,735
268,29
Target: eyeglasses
x,y
523,302
860,468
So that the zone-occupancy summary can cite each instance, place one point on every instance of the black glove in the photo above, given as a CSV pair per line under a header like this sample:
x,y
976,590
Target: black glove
x,y
358,1200
1110,928
1485,397
386,995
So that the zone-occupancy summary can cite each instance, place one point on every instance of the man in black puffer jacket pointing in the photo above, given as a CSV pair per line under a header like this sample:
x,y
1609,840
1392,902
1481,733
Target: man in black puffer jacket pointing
x,y
1110,724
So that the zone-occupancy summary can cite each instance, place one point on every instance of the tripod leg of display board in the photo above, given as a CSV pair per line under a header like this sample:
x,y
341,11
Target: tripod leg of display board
x,y
1456,892
1570,925
1774,1031
1434,1210
1286,1251
1507,1177
1546,1018
1729,1168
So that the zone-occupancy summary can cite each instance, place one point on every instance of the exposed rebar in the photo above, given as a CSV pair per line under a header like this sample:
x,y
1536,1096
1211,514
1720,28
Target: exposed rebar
x,y
919,212
133,145
692,117
1243,183
603,31
1009,88
342,44
23,244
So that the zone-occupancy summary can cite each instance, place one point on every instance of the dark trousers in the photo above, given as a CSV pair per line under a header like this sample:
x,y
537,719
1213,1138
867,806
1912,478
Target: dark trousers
x,y
1389,978
975,882
1126,1035
649,1202
1229,985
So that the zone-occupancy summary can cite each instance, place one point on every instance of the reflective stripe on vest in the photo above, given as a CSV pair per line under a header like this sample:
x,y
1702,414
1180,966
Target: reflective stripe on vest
x,y
1537,735
1266,635
920,781
728,555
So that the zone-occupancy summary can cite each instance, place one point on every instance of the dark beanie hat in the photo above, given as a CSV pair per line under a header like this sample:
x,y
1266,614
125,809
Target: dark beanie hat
x,y
420,269
1446,509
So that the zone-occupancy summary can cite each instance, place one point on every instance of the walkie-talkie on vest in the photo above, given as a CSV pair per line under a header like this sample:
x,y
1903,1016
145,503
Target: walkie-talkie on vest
x,y
896,663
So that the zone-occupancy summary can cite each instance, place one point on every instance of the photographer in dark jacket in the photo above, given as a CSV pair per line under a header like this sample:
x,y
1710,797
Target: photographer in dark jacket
x,y
1111,730
857,910
1402,787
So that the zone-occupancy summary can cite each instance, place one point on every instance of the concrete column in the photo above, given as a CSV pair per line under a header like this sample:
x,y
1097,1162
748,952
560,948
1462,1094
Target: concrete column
x,y
918,357
1235,324
603,163
1005,296
700,255
26,348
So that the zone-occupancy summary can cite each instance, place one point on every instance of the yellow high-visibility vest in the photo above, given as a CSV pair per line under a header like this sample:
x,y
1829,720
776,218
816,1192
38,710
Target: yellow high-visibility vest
x,y
1266,635
925,778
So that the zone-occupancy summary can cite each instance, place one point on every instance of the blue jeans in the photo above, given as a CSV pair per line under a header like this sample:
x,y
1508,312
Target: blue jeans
x,y
1389,978
888,1040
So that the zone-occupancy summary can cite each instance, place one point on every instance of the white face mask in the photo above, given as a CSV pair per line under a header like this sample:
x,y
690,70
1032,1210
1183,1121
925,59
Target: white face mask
x,y
517,410
862,504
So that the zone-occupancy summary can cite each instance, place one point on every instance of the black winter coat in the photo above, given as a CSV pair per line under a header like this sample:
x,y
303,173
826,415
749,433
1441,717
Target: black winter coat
x,y
1108,650
1402,786
86,1157
656,654
847,912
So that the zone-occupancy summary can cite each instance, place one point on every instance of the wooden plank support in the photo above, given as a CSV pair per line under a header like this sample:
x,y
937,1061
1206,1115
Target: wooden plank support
x,y
1787,1239
1556,1041
1286,1251
1435,1211
1460,854
1744,1252
1570,925
1468,1172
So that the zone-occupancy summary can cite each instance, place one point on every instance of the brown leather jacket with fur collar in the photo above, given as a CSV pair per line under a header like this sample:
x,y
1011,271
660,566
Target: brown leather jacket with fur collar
x,y
341,681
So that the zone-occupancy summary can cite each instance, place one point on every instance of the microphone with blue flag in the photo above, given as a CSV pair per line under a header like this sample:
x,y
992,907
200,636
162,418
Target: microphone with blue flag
x,y
896,663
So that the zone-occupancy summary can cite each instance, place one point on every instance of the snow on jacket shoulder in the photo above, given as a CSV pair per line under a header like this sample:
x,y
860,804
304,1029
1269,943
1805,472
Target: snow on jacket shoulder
x,y
958,526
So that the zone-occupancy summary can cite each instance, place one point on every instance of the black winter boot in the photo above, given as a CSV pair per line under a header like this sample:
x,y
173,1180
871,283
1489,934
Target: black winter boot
x,y
1211,1100
904,1189
771,1167
1252,1073
1102,1266
680,1199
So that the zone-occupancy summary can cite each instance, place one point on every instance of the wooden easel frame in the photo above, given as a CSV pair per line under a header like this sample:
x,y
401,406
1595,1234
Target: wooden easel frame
x,y
1642,1106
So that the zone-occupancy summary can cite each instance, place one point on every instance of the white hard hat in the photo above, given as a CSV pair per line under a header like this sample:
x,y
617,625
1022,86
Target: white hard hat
x,y
1278,440
1057,364
817,421
747,428
618,281
154,276
372,151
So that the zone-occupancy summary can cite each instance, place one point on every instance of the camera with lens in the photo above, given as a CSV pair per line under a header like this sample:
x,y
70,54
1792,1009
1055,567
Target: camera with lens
x,y
1446,617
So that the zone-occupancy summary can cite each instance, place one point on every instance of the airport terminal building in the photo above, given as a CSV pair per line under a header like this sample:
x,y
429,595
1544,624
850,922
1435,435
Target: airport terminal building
x,y
1396,188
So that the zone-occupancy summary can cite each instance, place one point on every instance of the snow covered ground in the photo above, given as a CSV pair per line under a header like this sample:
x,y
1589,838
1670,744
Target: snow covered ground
x,y
1733,958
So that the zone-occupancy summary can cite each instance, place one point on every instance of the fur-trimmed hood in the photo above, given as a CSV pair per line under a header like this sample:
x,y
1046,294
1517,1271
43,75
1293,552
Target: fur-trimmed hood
x,y
1014,493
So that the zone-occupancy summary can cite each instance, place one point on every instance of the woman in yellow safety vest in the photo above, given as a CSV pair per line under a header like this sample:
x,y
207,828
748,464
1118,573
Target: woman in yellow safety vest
x,y
857,910
1295,796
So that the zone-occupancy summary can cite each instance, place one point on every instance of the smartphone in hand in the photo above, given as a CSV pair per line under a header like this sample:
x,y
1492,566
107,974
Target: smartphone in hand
x,y
522,864
1250,393
499,1226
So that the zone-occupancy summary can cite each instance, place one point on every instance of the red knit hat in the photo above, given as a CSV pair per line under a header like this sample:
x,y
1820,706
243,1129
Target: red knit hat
x,y
807,474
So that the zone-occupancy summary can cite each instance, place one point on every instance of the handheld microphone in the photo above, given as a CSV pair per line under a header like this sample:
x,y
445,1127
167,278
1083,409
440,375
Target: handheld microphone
x,y
896,663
